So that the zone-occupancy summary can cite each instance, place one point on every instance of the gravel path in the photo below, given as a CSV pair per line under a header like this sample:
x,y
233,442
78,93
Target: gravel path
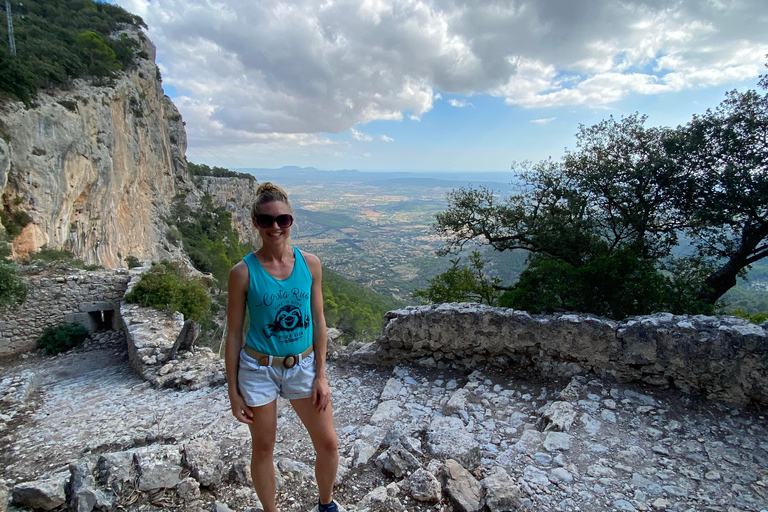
x,y
627,449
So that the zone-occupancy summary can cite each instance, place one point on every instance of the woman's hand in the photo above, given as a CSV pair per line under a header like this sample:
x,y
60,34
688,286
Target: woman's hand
x,y
321,393
240,409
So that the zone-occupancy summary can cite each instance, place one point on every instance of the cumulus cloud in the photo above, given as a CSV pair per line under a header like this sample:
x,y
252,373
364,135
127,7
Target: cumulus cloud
x,y
384,138
543,120
360,136
459,103
259,71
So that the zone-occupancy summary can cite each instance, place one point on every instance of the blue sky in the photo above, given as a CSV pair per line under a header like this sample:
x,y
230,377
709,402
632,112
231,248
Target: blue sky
x,y
438,85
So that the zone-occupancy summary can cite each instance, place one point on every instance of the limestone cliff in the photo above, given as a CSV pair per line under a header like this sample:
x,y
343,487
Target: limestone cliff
x,y
96,167
234,195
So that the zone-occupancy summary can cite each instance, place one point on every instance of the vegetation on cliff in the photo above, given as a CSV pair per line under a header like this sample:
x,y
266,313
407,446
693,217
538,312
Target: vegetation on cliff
x,y
13,288
58,40
354,309
602,225
218,172
207,236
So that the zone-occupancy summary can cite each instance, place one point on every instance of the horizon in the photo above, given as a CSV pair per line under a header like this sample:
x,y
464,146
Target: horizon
x,y
425,86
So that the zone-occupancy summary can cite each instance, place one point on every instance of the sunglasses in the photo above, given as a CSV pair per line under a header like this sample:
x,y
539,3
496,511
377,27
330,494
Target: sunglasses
x,y
265,221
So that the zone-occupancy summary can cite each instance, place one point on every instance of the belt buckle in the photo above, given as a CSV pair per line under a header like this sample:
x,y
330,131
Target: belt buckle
x,y
290,361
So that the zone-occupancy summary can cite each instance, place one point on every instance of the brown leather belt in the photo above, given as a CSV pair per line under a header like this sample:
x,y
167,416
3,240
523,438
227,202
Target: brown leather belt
x,y
287,361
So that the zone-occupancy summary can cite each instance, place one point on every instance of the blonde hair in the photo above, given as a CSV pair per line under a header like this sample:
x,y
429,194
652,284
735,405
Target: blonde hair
x,y
267,193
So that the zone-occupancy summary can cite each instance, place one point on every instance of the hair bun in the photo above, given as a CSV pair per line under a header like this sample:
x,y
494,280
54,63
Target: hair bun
x,y
272,190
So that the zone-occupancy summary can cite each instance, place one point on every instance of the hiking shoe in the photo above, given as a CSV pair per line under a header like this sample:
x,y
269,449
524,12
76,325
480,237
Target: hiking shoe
x,y
330,507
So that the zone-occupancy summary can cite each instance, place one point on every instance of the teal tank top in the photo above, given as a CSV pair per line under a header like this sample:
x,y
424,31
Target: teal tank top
x,y
280,311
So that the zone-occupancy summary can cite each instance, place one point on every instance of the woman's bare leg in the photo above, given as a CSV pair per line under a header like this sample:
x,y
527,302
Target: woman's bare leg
x,y
319,424
263,431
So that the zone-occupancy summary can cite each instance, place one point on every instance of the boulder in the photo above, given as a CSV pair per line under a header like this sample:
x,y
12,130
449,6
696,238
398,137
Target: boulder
x,y
461,487
379,500
45,494
424,486
397,460
501,492
203,460
158,467
448,438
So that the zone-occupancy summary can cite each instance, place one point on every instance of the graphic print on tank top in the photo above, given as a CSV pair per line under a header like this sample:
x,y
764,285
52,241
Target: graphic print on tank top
x,y
290,321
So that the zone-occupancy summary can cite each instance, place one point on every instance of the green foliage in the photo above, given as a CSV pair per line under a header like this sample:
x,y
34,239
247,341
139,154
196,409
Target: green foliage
x,y
101,59
132,261
615,286
58,40
14,221
13,288
70,105
755,318
601,224
220,172
55,257
209,240
465,283
354,309
165,286
61,338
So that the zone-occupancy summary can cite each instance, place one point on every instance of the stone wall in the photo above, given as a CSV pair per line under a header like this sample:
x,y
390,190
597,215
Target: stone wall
x,y
76,297
724,357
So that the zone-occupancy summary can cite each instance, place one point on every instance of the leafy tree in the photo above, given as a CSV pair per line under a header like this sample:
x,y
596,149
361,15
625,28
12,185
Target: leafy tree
x,y
601,224
100,57
724,158
58,40
462,283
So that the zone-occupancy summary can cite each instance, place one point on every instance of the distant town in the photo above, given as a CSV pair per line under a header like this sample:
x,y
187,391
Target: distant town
x,y
374,227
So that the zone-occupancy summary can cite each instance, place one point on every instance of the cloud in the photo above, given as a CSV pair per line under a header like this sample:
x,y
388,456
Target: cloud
x,y
459,103
384,138
543,121
281,68
360,136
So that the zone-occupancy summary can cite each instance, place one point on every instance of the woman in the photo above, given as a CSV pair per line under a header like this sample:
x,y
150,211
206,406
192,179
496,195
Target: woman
x,y
285,347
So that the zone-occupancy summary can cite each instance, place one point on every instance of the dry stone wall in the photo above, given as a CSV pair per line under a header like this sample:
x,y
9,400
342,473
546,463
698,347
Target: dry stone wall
x,y
76,297
724,357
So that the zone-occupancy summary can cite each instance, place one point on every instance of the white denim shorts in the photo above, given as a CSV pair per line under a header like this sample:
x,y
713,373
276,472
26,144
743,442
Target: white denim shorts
x,y
260,385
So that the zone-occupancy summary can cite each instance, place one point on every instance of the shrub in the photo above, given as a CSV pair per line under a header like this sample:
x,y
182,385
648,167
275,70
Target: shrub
x,y
166,286
132,261
755,318
14,221
13,289
62,338
70,105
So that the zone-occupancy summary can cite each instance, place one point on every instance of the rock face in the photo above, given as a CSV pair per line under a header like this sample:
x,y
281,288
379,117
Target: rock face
x,y
234,195
98,175
725,357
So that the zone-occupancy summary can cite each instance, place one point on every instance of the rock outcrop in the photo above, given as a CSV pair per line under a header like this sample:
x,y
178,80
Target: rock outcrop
x,y
96,167
724,357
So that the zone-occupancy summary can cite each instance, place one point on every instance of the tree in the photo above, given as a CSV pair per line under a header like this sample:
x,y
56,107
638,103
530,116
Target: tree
x,y
601,224
101,58
465,283
724,156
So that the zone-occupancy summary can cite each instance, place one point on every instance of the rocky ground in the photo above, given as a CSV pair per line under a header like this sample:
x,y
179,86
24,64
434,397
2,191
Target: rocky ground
x,y
411,439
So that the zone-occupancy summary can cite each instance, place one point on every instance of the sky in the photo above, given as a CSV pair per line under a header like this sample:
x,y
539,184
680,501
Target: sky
x,y
439,85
